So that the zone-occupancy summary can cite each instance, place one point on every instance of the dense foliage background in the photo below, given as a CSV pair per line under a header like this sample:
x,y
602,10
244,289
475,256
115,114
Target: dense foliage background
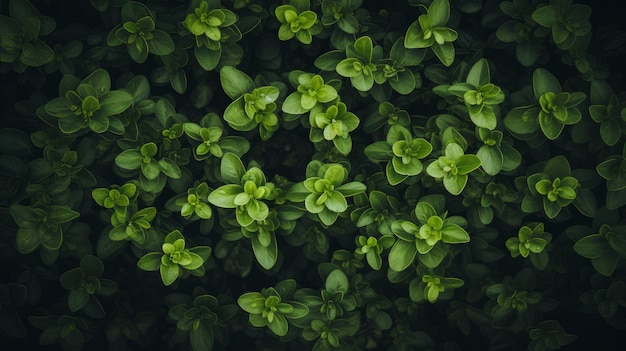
x,y
312,174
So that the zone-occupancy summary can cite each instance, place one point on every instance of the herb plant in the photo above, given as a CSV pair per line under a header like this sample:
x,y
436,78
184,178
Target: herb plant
x,y
312,175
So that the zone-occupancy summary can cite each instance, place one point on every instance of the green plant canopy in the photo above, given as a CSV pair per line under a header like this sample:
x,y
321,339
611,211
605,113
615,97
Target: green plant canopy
x,y
321,175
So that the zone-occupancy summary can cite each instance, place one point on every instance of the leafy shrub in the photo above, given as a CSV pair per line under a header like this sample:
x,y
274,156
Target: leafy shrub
x,y
318,175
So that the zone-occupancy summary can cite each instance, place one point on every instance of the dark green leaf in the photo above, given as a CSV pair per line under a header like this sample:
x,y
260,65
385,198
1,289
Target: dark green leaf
x,y
337,281
202,337
115,102
402,255
161,43
235,82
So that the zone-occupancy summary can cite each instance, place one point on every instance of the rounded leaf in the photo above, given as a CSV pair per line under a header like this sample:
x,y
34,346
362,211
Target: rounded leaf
x,y
169,273
150,261
337,281
401,255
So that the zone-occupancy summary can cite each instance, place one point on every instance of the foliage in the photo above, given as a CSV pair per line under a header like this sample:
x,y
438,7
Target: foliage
x,y
87,103
138,32
175,259
430,31
83,283
296,20
317,175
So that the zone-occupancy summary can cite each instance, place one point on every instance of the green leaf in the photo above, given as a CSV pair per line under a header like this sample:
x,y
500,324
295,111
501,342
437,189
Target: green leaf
x,y
491,159
454,234
26,216
351,188
231,168
202,337
393,177
337,281
439,12
522,120
58,107
145,214
129,159
266,256
279,325
343,145
336,202
234,144
347,69
362,82
99,123
434,257
71,124
591,246
285,33
77,299
151,169
329,60
100,80
479,73
161,43
550,127
52,239
207,58
379,151
413,167
455,184
606,264
100,195
224,196
132,11
298,193
364,47
257,210
445,53
335,174
203,251
299,310
252,302
527,53
36,54
61,214
586,203
544,82
404,82
71,279
150,261
235,82
414,38
27,239
546,16
293,104
236,117
401,255
558,166
424,210
115,102
169,273
138,50
170,168
327,217
196,261
467,163
610,131
203,211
